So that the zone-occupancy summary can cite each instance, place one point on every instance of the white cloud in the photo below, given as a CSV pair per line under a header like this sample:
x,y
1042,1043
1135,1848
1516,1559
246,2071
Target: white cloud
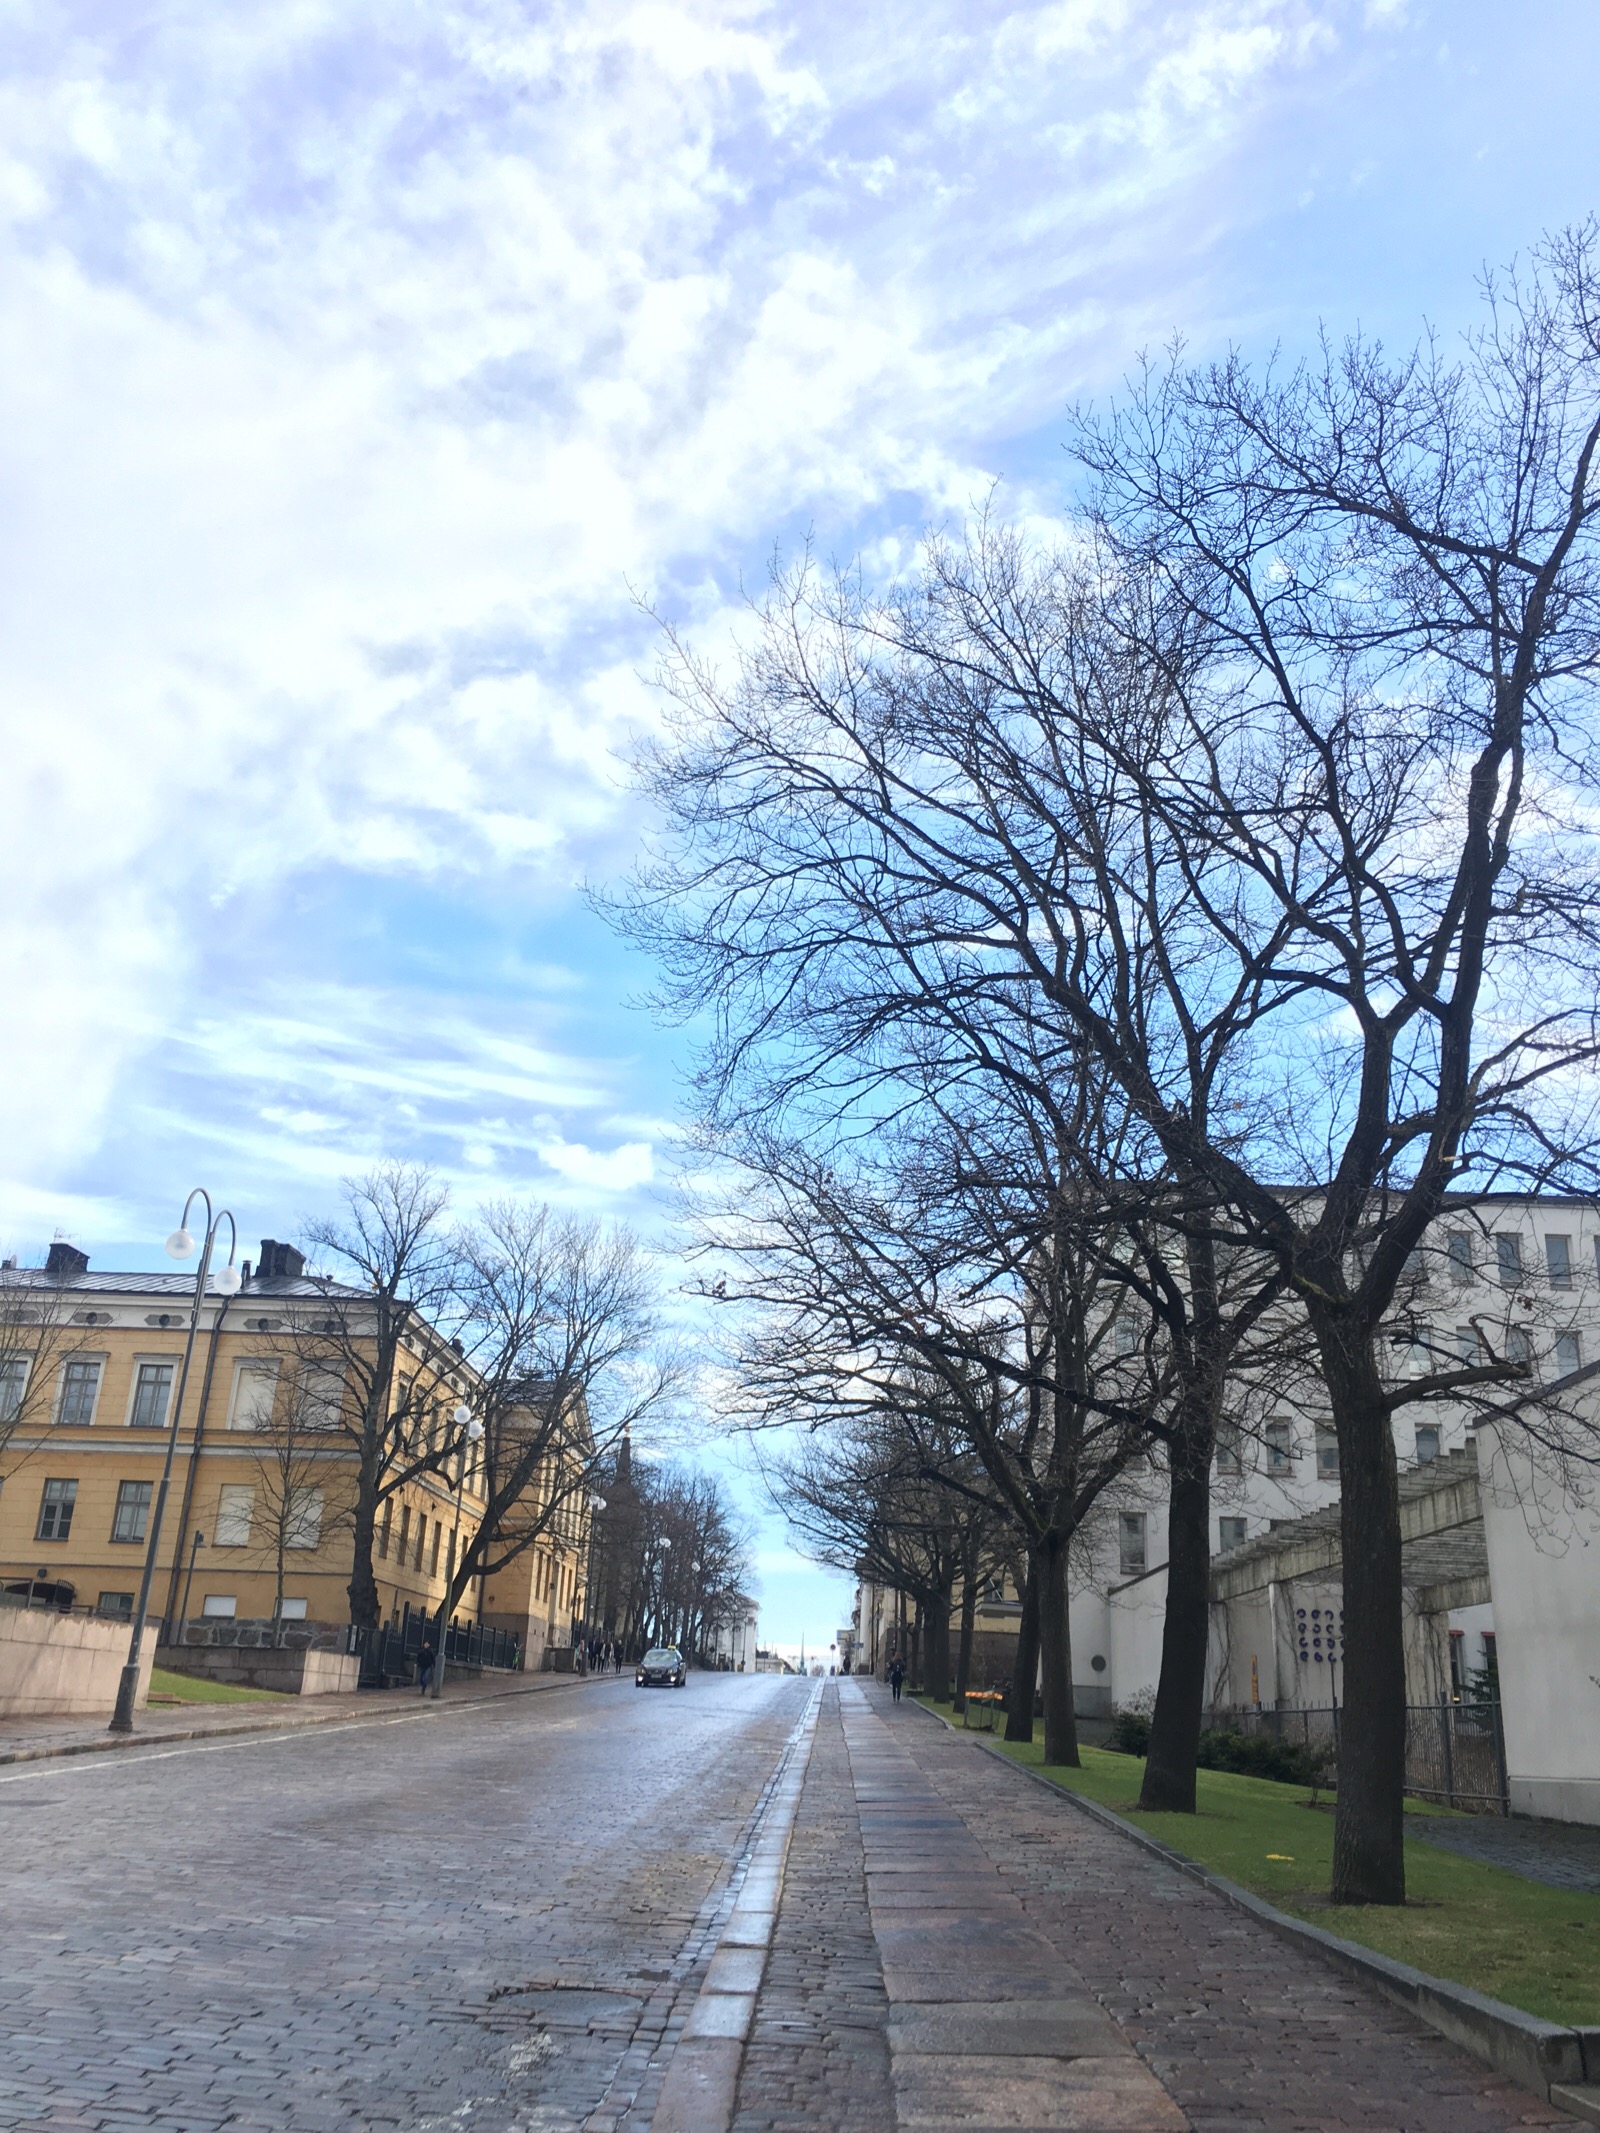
x,y
355,361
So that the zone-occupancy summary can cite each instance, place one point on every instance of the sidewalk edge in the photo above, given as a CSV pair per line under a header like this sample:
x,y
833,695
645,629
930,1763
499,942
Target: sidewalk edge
x,y
256,1725
1523,2047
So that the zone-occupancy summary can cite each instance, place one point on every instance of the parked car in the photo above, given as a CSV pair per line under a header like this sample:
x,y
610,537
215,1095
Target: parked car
x,y
662,1668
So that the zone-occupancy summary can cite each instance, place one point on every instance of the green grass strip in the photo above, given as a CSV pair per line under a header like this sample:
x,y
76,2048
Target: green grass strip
x,y
196,1688
1537,1948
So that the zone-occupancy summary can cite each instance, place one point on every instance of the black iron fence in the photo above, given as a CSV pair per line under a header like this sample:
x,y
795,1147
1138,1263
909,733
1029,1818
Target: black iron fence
x,y
1455,1752
389,1653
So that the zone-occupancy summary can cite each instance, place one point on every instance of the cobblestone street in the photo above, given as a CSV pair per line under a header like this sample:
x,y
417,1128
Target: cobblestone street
x,y
499,1918
426,1918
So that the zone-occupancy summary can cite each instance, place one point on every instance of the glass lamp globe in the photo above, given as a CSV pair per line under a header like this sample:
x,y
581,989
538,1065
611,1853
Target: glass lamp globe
x,y
227,1281
180,1245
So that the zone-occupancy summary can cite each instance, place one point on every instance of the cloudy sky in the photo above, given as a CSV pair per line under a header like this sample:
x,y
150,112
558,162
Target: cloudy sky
x,y
366,366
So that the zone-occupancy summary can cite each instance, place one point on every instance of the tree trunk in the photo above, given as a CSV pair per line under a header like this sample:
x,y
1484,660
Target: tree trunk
x,y
1019,1717
363,1586
969,1619
1055,1656
937,1684
1168,1786
917,1652
1368,1829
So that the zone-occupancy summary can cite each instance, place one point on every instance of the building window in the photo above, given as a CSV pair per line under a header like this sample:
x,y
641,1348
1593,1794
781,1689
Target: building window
x,y
131,1519
1230,1459
13,1384
292,1610
55,1510
302,1525
1127,1336
1467,1345
219,1606
1508,1258
236,1504
152,1389
1231,1532
385,1529
255,1391
118,1605
1427,1444
1569,1353
405,1533
1131,1543
422,1536
1327,1455
1519,1348
1419,1350
433,1557
1558,1261
321,1396
80,1388
1458,1251
1280,1451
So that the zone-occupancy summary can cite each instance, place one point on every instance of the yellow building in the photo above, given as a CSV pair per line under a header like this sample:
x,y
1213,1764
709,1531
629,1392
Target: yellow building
x,y
263,1484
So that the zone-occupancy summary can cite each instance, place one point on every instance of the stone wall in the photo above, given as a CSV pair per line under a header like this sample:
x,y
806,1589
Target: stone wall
x,y
255,1633
306,1671
55,1665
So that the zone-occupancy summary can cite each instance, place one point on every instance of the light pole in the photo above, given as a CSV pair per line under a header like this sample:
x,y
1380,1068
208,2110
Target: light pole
x,y
180,1245
471,1432
196,1545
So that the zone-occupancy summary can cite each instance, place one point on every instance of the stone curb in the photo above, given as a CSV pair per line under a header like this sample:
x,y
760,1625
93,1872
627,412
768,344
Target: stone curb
x,y
281,1724
1535,2054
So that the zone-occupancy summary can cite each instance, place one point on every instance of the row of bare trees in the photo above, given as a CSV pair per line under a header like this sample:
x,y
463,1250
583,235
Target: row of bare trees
x,y
1158,929
512,1352
671,1560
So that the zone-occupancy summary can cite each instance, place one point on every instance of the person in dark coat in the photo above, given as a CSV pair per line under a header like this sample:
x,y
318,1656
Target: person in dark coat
x,y
425,1668
897,1676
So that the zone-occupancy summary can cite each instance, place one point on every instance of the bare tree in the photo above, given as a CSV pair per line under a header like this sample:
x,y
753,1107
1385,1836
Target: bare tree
x,y
37,1338
300,1470
393,1299
1276,792
560,1327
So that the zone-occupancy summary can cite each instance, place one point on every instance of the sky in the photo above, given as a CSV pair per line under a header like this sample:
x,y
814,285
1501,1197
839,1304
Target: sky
x,y
373,374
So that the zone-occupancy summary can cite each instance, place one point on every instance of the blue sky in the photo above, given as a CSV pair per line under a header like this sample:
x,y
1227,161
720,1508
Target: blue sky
x,y
363,365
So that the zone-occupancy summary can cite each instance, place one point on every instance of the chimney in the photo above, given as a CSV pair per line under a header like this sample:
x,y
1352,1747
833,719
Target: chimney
x,y
279,1262
66,1262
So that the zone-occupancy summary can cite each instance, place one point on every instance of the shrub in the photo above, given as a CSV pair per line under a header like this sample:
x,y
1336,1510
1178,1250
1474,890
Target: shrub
x,y
1259,1755
1130,1732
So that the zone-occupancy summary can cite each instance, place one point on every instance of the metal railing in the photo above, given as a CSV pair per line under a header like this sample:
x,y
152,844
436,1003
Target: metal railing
x,y
1455,1752
390,1653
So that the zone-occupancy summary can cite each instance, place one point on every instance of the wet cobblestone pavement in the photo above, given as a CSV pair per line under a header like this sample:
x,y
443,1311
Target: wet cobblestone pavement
x,y
499,1920
480,1919
1563,1855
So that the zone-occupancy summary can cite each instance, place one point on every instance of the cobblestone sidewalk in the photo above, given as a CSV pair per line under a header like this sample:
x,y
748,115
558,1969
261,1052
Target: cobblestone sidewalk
x,y
25,1740
1245,2033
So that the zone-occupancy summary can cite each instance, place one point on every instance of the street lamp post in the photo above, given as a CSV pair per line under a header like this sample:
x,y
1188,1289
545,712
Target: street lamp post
x,y
180,1245
471,1432
195,1546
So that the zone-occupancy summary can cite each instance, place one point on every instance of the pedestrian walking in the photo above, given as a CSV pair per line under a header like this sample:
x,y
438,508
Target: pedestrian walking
x,y
897,1675
425,1668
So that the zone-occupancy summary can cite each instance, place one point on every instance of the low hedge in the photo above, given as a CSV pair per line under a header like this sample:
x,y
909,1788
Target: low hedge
x,y
1246,1754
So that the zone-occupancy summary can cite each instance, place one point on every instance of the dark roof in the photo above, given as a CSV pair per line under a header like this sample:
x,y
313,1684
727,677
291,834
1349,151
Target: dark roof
x,y
179,1283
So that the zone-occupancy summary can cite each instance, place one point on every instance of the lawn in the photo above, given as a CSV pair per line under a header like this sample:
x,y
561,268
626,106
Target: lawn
x,y
1537,1948
165,1686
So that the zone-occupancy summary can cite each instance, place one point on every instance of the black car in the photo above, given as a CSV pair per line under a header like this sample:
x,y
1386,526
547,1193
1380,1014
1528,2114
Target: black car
x,y
662,1668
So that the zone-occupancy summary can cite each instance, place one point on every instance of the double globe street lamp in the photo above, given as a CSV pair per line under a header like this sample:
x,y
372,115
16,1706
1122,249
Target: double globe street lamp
x,y
180,1245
